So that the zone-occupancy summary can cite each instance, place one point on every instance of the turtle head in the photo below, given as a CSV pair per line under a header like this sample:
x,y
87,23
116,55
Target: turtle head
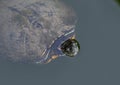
x,y
70,47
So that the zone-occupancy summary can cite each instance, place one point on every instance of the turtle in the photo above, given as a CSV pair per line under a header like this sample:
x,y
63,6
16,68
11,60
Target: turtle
x,y
37,31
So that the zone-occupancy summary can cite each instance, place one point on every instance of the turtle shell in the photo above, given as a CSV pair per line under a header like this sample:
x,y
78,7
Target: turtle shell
x,y
32,30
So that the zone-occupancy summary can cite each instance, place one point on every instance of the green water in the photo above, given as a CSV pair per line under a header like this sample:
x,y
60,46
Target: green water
x,y
118,1
98,31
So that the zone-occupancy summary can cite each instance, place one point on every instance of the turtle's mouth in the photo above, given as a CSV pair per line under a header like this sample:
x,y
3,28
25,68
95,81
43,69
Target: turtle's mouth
x,y
55,49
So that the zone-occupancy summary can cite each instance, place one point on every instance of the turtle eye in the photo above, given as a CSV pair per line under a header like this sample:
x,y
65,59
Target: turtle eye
x,y
70,47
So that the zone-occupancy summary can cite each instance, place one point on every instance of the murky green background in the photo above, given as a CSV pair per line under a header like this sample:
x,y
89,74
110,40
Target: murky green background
x,y
98,63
